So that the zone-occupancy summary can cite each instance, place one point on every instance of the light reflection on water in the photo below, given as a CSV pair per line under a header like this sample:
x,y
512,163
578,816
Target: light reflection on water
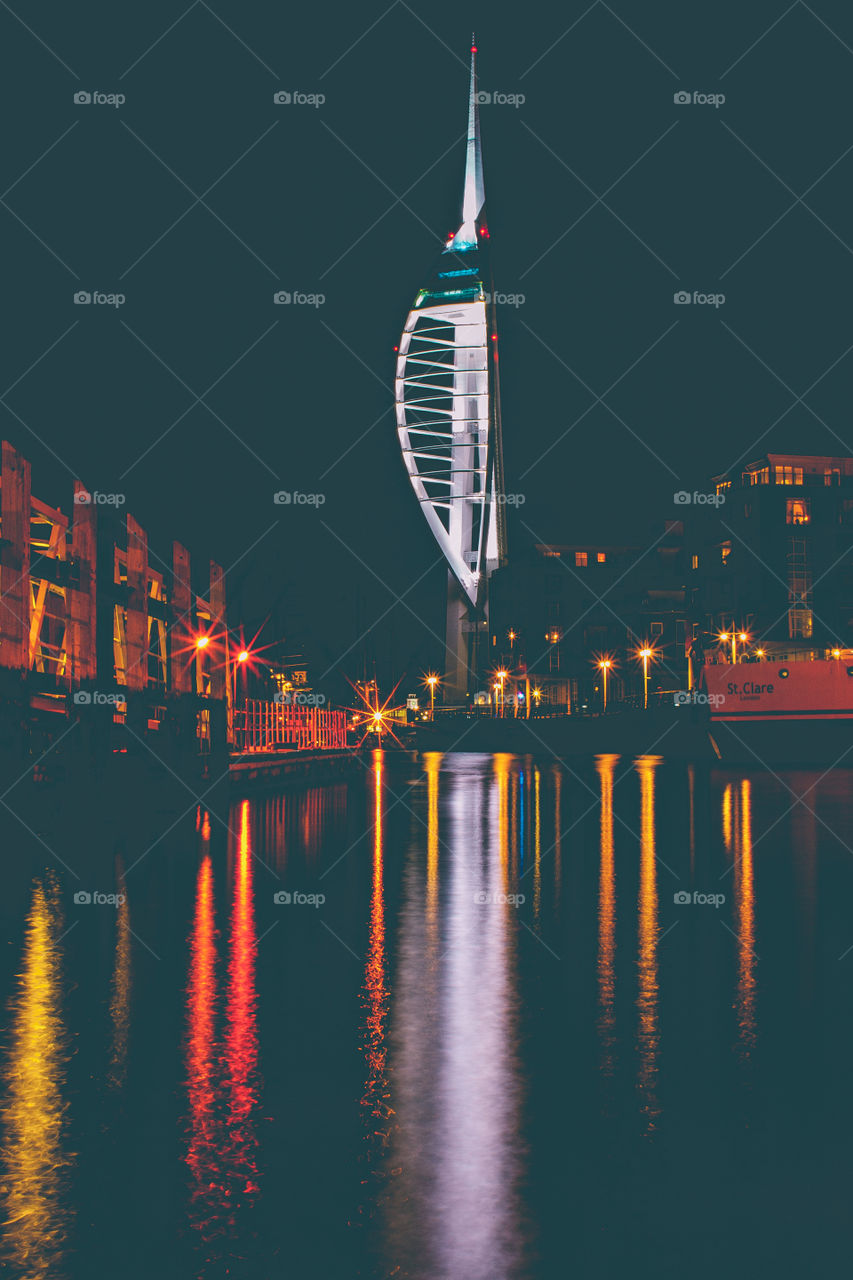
x,y
493,947
221,1051
456,1148
37,1163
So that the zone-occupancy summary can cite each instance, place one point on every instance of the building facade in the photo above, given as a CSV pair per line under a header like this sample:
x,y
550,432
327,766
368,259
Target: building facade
x,y
776,558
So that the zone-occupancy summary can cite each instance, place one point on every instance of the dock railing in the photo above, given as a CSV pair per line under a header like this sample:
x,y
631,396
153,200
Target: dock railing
x,y
262,725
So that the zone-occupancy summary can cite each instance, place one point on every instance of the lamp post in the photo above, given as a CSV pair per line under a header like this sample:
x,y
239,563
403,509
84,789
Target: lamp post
x,y
646,653
432,681
604,666
240,660
733,637
502,675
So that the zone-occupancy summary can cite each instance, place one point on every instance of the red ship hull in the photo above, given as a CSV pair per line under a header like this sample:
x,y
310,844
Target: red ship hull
x,y
797,712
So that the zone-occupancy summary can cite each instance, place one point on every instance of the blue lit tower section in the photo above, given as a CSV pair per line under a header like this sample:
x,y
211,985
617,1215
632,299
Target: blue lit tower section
x,y
448,421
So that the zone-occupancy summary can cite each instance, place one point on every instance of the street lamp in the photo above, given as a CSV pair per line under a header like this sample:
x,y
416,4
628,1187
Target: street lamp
x,y
432,681
734,636
512,636
202,642
502,675
604,666
646,654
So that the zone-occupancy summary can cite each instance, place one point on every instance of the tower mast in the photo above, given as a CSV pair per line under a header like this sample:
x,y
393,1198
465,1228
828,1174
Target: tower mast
x,y
448,417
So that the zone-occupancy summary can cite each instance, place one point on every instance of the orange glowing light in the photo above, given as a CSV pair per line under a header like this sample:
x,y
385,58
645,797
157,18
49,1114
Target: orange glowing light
x,y
202,642
243,656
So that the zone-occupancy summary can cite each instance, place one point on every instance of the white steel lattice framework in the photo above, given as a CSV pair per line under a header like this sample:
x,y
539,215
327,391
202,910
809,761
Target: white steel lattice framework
x,y
448,416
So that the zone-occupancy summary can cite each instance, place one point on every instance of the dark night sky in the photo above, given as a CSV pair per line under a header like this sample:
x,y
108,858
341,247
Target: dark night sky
x,y
311,204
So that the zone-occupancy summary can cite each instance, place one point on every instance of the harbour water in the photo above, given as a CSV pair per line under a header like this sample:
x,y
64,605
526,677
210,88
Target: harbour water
x,y
460,1017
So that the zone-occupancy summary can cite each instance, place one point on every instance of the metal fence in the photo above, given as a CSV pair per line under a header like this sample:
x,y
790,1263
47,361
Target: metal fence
x,y
272,726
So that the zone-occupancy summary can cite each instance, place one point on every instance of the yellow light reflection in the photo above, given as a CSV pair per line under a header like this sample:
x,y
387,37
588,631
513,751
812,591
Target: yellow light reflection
x,y
745,908
727,817
648,1037
606,918
502,775
432,763
36,1164
376,994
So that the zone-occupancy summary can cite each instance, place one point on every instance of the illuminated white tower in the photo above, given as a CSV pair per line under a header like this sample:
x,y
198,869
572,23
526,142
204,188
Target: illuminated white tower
x,y
448,420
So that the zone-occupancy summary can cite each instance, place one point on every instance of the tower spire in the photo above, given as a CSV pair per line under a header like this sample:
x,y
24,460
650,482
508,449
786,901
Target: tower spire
x,y
474,194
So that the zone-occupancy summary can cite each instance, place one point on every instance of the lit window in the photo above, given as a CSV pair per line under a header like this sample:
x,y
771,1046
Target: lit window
x,y
789,475
601,557
694,562
800,623
725,551
832,475
797,511
580,559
